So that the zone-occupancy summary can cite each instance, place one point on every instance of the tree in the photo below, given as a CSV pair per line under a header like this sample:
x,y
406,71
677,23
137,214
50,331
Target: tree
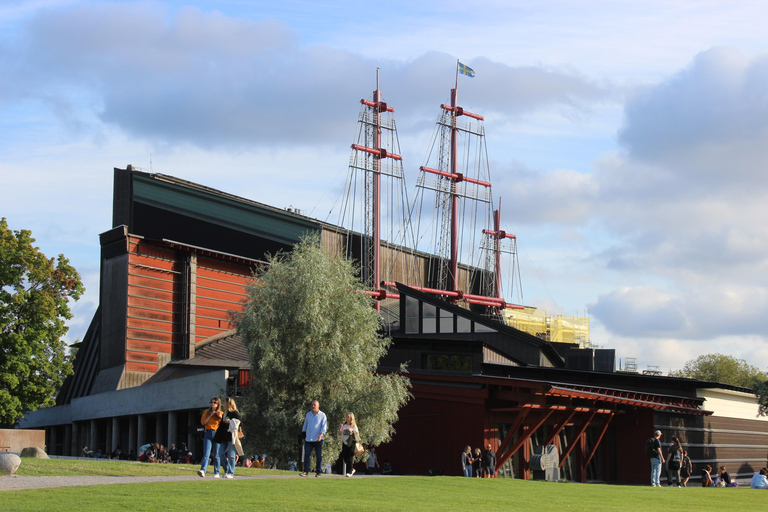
x,y
34,304
724,369
313,334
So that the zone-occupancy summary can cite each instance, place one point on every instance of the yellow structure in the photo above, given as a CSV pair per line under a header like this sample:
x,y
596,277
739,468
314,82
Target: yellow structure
x,y
559,329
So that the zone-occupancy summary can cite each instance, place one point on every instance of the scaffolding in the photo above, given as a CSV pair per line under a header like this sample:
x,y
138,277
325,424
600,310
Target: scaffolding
x,y
558,329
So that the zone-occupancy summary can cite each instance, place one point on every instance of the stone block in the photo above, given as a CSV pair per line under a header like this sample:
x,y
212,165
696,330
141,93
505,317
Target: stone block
x,y
9,463
34,452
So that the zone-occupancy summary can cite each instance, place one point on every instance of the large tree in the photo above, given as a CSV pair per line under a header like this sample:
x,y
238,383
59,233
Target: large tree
x,y
312,334
34,304
722,368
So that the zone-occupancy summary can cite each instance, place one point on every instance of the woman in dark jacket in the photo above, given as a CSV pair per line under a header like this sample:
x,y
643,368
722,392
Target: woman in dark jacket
x,y
674,463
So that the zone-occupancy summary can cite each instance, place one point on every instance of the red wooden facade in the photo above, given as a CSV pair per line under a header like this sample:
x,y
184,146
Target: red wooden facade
x,y
177,295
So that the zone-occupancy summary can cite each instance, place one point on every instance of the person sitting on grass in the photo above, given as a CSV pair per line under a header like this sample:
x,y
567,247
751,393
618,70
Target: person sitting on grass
x,y
150,455
759,480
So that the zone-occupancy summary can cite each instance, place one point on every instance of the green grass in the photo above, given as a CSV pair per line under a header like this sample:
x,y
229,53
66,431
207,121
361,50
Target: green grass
x,y
74,467
385,493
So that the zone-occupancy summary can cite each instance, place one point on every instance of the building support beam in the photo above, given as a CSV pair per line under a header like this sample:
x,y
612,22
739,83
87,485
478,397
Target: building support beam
x,y
521,439
599,439
575,439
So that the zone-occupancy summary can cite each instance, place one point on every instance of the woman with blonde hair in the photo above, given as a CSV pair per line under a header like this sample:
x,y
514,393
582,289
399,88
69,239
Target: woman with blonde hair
x,y
227,437
210,420
349,434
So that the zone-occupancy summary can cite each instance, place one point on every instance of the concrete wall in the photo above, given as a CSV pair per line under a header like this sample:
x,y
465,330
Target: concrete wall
x,y
15,440
174,395
730,404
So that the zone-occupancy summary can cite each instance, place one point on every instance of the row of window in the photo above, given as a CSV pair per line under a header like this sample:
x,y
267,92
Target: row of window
x,y
423,318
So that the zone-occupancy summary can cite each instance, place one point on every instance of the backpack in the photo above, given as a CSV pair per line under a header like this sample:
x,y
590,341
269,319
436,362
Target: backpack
x,y
650,447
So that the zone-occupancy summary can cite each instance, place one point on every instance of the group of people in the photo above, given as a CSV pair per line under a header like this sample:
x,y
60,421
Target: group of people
x,y
722,479
680,468
221,437
221,440
313,434
478,464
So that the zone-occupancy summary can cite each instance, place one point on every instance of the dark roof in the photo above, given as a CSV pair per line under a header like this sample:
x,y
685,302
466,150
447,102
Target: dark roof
x,y
224,351
225,347
512,333
634,381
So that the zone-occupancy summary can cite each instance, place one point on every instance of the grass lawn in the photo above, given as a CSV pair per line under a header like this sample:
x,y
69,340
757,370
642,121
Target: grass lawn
x,y
360,493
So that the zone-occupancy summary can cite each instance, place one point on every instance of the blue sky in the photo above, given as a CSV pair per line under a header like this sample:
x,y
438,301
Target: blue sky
x,y
628,139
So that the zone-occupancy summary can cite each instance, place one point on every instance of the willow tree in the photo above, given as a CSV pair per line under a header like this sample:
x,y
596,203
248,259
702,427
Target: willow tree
x,y
312,334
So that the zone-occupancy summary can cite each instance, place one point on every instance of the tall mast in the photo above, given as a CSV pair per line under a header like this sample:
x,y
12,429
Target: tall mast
x,y
454,270
376,234
376,201
456,171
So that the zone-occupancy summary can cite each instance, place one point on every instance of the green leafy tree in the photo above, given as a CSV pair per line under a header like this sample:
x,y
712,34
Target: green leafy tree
x,y
761,390
724,369
34,304
312,334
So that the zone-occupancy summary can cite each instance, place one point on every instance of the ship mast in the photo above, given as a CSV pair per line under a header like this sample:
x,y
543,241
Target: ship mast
x,y
455,186
376,170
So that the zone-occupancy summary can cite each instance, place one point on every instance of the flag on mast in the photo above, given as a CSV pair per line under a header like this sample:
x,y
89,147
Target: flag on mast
x,y
466,70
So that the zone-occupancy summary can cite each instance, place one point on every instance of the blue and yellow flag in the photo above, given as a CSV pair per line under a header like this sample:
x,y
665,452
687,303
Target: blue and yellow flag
x,y
466,70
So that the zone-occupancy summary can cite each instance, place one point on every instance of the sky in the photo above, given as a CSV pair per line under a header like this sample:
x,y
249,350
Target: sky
x,y
628,140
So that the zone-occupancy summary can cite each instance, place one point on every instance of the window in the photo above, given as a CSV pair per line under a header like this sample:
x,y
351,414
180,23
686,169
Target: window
x,y
448,362
482,328
411,315
428,318
463,324
446,321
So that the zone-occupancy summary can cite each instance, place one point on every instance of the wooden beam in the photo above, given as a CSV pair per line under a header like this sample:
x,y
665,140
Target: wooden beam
x,y
511,434
599,439
575,439
520,440
559,428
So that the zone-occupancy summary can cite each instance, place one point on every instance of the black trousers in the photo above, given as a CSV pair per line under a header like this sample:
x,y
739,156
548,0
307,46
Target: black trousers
x,y
348,456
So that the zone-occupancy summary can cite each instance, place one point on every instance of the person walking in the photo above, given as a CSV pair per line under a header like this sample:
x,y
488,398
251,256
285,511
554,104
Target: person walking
x,y
657,459
228,446
674,463
350,435
315,425
686,470
210,420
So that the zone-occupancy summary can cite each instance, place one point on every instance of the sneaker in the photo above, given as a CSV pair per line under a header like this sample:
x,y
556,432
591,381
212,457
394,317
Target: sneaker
x,y
317,475
217,475
352,473
201,473
230,477
303,474
349,475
